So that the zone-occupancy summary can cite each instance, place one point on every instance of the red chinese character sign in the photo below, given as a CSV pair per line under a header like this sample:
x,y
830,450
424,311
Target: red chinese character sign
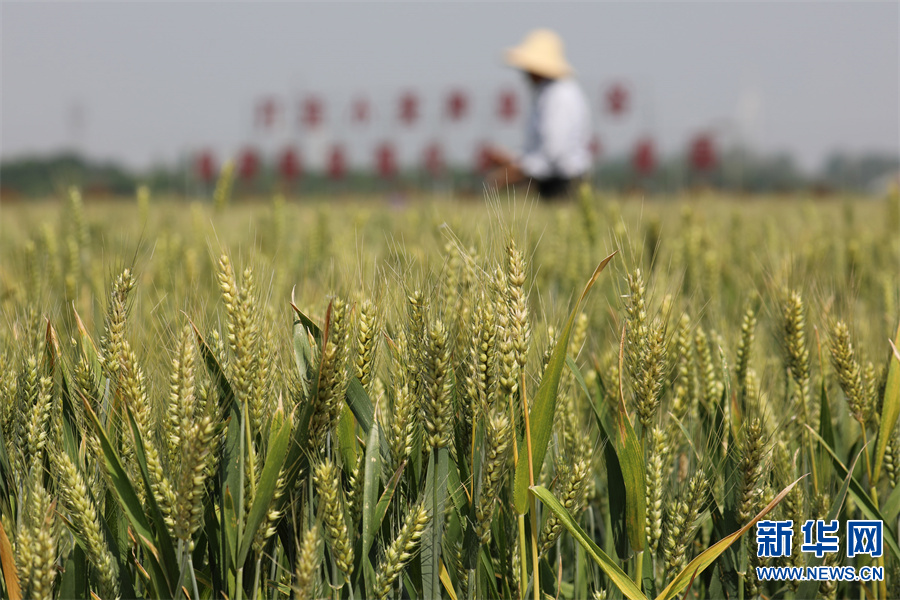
x,y
433,159
248,164
617,100
289,164
595,147
337,162
408,108
644,159
483,162
205,166
360,111
703,153
457,105
507,106
312,112
266,113
385,160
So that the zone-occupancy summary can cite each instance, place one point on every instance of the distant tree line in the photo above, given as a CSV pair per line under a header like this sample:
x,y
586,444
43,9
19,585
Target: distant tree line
x,y
738,170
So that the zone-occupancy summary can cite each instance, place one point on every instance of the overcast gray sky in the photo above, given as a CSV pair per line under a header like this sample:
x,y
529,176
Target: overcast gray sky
x,y
154,81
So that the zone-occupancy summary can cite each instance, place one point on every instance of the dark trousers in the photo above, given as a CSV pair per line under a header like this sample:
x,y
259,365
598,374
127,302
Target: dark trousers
x,y
555,187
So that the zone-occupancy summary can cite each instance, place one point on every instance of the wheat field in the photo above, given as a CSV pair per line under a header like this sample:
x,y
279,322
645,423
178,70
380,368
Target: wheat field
x,y
436,398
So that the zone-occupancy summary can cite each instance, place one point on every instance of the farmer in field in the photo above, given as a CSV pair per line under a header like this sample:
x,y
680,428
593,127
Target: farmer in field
x,y
556,152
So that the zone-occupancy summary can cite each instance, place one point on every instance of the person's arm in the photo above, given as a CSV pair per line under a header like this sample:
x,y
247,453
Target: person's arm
x,y
504,168
498,157
505,175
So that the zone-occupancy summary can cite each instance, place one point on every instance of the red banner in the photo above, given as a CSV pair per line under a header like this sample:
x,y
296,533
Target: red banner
x,y
337,162
457,105
595,147
409,108
703,152
617,99
266,113
289,164
312,112
385,160
507,106
433,159
248,164
483,161
205,166
360,111
644,159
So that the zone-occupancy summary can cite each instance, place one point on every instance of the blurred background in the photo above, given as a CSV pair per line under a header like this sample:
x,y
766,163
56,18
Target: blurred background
x,y
395,97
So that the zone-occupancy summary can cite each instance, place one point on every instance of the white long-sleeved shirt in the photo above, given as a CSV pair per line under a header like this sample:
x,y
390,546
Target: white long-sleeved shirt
x,y
557,138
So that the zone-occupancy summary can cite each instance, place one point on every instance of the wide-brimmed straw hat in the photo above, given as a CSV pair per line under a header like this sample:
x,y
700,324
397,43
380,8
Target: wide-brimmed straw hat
x,y
541,53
